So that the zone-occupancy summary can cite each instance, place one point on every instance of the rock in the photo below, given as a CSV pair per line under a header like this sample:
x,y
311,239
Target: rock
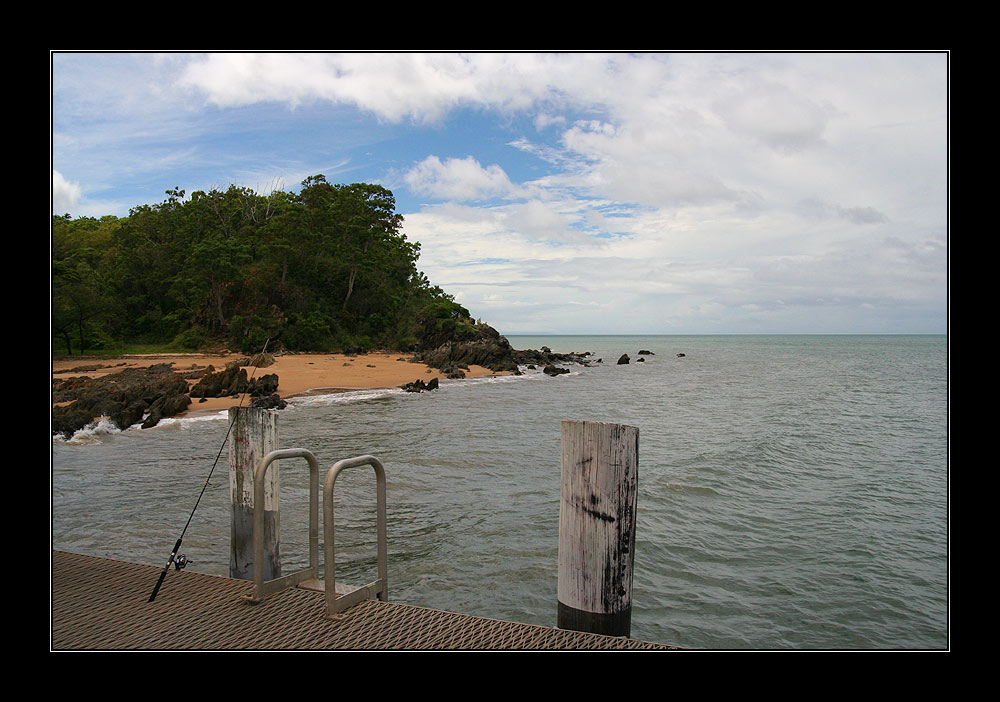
x,y
644,352
195,373
230,381
680,355
233,381
66,421
488,349
640,360
624,359
130,414
419,385
263,386
124,397
493,351
554,370
544,357
261,360
154,393
269,402
88,369
166,406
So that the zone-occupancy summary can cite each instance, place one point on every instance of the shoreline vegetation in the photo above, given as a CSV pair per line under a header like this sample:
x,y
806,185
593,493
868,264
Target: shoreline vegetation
x,y
324,269
323,279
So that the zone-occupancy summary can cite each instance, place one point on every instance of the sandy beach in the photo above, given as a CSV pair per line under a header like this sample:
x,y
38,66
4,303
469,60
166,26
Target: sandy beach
x,y
298,374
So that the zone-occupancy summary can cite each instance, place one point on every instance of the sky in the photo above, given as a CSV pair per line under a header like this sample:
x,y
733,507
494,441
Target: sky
x,y
566,193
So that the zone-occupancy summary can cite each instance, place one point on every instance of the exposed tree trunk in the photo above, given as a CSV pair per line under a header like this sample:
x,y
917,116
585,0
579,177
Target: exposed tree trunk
x,y
217,294
350,286
79,327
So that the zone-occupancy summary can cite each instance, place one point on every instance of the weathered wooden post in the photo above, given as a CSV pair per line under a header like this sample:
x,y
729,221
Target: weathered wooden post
x,y
254,434
600,478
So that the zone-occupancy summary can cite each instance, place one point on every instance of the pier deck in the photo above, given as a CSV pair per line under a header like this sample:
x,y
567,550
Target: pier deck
x,y
101,604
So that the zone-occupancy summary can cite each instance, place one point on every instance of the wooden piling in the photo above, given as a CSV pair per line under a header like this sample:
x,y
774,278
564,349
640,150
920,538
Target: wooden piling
x,y
600,471
254,434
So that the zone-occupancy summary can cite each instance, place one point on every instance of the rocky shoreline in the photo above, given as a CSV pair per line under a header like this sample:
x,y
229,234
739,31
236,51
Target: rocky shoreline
x,y
145,395
149,394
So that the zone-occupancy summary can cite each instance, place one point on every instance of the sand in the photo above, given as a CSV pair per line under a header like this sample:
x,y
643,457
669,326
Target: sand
x,y
298,374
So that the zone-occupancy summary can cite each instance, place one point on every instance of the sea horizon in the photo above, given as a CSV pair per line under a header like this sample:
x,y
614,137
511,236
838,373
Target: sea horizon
x,y
728,334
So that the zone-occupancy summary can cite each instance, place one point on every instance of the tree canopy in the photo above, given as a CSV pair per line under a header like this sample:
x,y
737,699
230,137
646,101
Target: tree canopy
x,y
324,269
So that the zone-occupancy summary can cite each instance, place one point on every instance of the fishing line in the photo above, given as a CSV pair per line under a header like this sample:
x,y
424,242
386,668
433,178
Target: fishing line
x,y
173,560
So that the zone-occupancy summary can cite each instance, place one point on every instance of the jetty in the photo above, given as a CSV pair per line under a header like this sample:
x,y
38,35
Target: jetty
x,y
105,604
100,604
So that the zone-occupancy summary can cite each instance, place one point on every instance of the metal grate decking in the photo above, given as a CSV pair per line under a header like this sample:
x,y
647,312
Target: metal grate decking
x,y
101,604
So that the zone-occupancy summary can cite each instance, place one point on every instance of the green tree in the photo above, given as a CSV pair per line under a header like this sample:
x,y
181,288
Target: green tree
x,y
323,267
81,298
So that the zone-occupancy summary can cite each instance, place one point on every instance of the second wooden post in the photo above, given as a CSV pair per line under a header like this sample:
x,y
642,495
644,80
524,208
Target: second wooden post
x,y
600,477
254,434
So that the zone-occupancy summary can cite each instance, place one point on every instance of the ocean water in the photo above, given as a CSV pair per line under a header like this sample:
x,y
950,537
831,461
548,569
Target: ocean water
x,y
793,490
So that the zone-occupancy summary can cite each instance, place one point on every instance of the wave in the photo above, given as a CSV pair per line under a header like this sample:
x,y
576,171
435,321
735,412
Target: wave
x,y
92,433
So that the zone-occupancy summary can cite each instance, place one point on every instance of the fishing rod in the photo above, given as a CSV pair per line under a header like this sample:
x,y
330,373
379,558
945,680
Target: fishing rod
x,y
179,563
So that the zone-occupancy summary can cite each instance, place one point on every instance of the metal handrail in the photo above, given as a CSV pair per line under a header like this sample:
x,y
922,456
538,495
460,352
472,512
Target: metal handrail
x,y
378,589
262,589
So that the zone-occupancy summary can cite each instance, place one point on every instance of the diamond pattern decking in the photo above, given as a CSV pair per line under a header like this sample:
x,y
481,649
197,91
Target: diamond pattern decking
x,y
101,604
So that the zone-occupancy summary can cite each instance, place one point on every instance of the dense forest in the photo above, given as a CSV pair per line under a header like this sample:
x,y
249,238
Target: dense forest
x,y
323,269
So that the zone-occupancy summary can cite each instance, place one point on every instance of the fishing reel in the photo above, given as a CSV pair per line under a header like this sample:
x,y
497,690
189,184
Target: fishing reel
x,y
181,561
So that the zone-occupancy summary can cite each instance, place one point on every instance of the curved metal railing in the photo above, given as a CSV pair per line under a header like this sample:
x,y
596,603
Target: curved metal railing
x,y
338,598
377,589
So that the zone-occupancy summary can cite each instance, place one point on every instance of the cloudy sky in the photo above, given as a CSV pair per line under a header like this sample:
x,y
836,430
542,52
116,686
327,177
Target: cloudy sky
x,y
566,193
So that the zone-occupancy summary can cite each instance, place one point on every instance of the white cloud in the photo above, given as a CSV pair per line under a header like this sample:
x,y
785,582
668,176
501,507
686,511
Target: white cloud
x,y
775,115
395,86
459,179
64,194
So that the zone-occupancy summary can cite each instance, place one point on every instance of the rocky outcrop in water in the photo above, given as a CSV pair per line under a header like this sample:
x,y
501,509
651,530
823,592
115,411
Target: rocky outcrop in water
x,y
419,385
124,398
546,357
153,393
488,349
269,402
491,350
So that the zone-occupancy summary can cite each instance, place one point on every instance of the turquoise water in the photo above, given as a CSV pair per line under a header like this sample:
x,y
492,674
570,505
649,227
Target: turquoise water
x,y
793,490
